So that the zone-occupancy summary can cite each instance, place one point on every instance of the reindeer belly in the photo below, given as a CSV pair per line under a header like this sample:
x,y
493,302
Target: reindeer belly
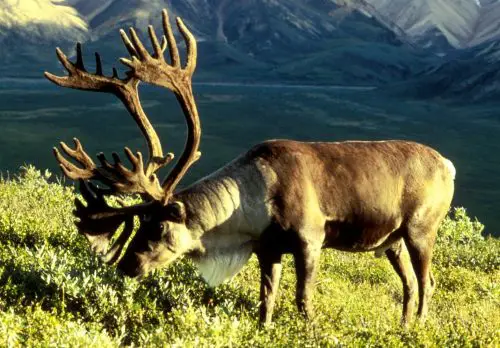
x,y
360,235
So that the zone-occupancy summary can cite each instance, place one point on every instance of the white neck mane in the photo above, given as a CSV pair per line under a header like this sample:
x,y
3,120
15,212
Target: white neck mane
x,y
216,267
231,211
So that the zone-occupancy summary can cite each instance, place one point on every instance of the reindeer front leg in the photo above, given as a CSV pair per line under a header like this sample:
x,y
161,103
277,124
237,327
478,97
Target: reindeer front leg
x,y
270,273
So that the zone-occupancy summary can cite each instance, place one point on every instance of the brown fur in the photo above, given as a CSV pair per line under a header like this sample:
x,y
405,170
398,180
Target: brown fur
x,y
367,189
355,196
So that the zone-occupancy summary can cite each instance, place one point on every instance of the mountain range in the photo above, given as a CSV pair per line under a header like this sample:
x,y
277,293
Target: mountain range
x,y
447,44
438,24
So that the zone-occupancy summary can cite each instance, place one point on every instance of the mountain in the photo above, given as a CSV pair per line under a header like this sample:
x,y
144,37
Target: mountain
x,y
247,40
437,24
35,22
41,19
28,28
444,46
471,76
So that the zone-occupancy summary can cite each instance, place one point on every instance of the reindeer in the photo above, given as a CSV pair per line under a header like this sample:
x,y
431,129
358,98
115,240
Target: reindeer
x,y
280,197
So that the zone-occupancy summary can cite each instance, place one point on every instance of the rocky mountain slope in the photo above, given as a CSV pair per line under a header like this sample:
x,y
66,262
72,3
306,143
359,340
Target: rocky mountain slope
x,y
472,76
248,40
349,42
438,23
44,20
29,27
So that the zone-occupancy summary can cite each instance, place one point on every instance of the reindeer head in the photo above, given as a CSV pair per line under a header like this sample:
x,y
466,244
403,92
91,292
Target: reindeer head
x,y
162,236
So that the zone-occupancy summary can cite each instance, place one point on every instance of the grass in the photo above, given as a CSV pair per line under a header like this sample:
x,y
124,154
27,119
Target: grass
x,y
53,292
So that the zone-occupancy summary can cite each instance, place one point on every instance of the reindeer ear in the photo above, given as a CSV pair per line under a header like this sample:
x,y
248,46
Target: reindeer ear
x,y
176,211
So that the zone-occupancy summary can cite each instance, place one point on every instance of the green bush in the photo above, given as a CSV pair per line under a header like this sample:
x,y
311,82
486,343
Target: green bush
x,y
460,243
53,292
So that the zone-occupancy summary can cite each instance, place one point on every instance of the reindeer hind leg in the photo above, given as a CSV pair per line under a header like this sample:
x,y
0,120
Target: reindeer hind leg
x,y
400,259
420,242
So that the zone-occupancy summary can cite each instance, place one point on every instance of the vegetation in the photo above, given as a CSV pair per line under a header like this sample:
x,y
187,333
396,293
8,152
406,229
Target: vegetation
x,y
53,292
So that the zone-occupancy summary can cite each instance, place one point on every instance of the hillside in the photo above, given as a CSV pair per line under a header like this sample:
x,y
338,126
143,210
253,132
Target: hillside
x,y
53,292
471,76
29,27
35,20
252,40
438,25
434,47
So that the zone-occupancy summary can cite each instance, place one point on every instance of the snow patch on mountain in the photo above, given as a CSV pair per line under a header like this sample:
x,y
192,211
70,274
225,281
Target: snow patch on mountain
x,y
41,19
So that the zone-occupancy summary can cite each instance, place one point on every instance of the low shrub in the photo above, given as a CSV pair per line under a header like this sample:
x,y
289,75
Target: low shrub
x,y
54,292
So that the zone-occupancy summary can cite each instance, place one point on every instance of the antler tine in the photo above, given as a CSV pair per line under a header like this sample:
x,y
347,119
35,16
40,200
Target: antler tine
x,y
128,44
98,64
79,57
191,47
172,45
78,154
139,47
136,161
115,251
157,48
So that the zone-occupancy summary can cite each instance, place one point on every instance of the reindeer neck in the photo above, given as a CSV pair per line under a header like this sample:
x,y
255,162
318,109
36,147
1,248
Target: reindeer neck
x,y
226,211
230,203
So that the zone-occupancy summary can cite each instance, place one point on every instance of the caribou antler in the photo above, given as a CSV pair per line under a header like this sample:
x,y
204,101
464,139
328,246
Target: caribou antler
x,y
126,90
155,70
98,221
116,176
